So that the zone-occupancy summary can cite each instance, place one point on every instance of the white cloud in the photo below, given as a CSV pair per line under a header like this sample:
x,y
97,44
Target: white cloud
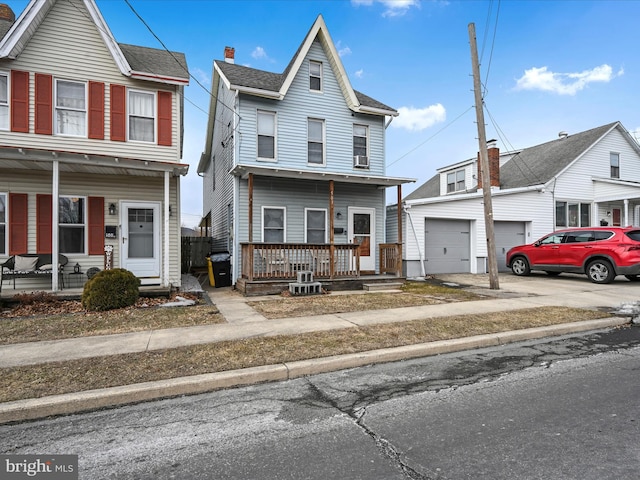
x,y
259,53
201,75
417,119
564,83
359,73
342,51
394,8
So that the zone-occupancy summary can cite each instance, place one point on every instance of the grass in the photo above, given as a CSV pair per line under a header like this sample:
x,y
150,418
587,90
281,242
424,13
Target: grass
x,y
101,372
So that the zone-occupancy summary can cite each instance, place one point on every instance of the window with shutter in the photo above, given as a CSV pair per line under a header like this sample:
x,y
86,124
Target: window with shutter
x,y
44,223
18,221
96,225
118,113
96,110
19,101
4,101
165,118
44,112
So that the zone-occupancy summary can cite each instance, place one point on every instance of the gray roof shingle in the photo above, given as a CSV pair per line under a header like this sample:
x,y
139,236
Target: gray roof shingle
x,y
155,61
531,166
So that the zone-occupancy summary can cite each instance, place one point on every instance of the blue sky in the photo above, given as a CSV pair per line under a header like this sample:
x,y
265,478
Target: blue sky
x,y
548,66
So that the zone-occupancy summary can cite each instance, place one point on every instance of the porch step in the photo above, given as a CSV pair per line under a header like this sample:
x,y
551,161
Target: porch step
x,y
373,287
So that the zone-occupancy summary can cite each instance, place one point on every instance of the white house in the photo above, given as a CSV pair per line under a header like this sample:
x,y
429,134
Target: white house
x,y
577,180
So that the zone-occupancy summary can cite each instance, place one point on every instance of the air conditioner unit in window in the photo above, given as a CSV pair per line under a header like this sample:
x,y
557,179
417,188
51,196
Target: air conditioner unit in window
x,y
361,161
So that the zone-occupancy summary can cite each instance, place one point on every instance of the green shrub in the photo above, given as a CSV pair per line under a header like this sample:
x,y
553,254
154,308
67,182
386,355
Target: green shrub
x,y
110,289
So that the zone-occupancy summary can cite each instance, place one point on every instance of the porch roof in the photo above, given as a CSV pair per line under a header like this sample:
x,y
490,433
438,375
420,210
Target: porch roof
x,y
95,164
243,170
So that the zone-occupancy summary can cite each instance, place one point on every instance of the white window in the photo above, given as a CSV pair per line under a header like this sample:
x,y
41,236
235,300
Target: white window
x,y
315,76
315,141
142,116
266,135
360,140
455,181
3,223
4,101
273,224
614,160
315,225
72,224
71,108
575,214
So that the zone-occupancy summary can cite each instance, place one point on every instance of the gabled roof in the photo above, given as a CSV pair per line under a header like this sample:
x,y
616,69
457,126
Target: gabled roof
x,y
275,85
536,165
136,62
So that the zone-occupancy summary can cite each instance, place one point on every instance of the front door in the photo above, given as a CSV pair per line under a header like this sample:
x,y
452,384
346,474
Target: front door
x,y
141,240
362,228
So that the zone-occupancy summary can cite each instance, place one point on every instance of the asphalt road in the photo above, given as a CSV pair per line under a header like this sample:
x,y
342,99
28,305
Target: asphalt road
x,y
564,409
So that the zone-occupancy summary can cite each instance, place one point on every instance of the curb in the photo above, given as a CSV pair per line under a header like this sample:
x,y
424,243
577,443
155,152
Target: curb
x,y
31,409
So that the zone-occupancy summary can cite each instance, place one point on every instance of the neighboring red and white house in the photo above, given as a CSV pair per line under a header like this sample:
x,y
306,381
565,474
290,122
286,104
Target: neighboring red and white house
x,y
577,180
90,143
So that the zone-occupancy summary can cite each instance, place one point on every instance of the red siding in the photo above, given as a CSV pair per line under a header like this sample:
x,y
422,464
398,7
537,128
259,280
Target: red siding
x,y
44,105
96,110
118,113
165,118
19,101
96,225
18,221
44,223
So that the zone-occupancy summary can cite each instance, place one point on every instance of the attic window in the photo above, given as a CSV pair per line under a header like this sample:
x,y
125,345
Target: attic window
x,y
315,76
614,159
455,181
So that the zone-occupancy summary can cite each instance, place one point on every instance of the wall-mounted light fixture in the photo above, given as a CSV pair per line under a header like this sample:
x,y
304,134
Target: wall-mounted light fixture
x,y
170,211
608,213
112,209
338,215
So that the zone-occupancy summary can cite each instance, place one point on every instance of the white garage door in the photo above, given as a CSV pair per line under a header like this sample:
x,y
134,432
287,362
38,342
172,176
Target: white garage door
x,y
447,246
507,235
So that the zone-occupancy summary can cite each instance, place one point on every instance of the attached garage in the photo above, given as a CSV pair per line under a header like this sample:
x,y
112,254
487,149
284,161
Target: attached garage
x,y
447,246
507,235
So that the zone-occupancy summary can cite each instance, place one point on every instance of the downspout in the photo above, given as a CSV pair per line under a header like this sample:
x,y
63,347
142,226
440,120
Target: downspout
x,y
406,209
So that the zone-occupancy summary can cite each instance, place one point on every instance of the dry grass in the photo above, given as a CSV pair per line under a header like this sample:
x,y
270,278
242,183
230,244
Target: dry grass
x,y
68,325
78,375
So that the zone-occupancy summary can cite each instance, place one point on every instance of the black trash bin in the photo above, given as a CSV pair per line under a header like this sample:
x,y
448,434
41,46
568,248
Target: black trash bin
x,y
220,269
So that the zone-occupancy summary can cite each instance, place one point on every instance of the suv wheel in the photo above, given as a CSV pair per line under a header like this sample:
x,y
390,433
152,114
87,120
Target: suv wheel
x,y
520,266
600,271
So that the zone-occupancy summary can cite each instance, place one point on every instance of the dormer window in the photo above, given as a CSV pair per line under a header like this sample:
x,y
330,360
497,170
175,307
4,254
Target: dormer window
x,y
315,76
455,181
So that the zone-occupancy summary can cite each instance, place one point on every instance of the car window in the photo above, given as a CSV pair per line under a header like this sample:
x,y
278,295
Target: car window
x,y
602,234
634,235
554,238
585,236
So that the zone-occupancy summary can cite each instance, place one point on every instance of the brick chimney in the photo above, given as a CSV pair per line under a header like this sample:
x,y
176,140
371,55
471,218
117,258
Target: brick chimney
x,y
6,13
493,153
229,54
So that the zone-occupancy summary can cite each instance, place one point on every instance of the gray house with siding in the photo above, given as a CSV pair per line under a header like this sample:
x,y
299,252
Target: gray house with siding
x,y
584,179
90,145
294,167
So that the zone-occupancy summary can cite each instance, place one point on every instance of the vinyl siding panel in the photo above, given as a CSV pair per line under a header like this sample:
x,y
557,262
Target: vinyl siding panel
x,y
114,189
298,106
75,51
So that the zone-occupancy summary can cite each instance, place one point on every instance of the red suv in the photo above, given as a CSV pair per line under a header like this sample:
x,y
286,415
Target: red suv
x,y
599,252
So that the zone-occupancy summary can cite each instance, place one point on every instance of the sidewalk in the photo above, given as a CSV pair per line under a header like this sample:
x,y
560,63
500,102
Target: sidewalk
x,y
245,322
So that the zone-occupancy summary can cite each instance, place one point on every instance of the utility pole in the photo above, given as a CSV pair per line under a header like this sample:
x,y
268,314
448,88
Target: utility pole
x,y
484,163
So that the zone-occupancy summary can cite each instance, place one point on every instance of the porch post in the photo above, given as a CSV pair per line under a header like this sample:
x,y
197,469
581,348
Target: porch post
x,y
55,231
165,256
250,213
332,248
626,213
399,252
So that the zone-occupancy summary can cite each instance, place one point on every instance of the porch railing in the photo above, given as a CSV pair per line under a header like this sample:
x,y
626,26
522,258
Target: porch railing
x,y
391,258
261,261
